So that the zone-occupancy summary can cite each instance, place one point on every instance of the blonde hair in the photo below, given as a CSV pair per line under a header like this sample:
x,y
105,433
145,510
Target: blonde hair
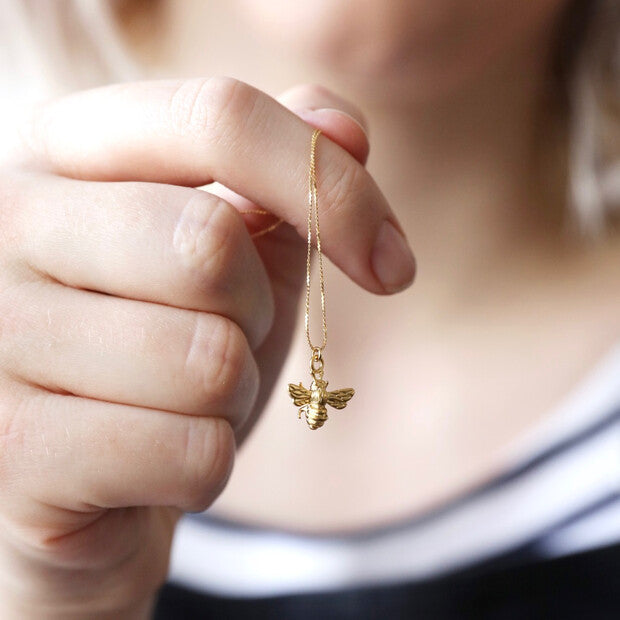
x,y
55,47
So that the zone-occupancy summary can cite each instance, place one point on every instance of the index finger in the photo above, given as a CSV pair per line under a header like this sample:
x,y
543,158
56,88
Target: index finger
x,y
194,132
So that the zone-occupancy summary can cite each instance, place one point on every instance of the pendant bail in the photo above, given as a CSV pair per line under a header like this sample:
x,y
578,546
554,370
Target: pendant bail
x,y
316,363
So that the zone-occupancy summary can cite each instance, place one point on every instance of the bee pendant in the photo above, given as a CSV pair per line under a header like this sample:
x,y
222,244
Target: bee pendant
x,y
312,403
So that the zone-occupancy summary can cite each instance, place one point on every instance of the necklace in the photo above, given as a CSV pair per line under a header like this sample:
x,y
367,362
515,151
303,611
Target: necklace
x,y
312,402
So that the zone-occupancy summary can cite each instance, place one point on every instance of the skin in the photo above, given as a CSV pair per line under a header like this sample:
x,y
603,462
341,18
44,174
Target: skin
x,y
474,163
156,327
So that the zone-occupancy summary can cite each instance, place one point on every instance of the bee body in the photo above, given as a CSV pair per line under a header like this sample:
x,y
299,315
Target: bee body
x,y
313,401
315,415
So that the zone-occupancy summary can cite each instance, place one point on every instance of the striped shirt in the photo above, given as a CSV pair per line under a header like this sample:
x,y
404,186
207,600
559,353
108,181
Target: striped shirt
x,y
559,494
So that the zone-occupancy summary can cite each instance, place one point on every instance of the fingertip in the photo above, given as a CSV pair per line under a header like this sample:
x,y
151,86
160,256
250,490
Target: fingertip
x,y
339,127
392,260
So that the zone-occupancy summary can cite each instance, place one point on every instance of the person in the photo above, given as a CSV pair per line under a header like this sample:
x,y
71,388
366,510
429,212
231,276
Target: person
x,y
151,461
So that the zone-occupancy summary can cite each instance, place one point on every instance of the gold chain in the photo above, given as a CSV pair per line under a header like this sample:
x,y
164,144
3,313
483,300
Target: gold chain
x,y
313,401
264,231
314,210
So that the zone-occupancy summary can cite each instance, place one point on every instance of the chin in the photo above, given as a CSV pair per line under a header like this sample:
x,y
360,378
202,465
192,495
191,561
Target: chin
x,y
419,49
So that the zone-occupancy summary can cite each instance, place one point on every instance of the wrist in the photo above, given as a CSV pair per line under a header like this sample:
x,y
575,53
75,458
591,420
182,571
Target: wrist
x,y
31,591
35,585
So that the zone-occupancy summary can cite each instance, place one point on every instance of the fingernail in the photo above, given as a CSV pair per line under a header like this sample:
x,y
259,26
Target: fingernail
x,y
391,259
308,113
331,110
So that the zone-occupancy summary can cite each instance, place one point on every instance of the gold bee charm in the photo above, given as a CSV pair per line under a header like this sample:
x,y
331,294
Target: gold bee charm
x,y
312,403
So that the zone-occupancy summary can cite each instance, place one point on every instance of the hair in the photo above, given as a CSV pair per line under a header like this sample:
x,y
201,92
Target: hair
x,y
51,48
587,66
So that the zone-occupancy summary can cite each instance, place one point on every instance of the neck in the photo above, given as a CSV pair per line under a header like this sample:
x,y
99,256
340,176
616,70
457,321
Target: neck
x,y
477,177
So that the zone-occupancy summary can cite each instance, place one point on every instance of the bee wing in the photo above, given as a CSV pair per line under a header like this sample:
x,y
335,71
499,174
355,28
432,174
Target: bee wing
x,y
299,394
338,399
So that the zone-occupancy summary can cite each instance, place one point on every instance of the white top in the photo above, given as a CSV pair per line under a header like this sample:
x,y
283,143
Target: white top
x,y
560,494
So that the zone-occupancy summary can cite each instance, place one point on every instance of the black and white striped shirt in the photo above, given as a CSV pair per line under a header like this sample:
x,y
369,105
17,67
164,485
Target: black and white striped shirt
x,y
560,494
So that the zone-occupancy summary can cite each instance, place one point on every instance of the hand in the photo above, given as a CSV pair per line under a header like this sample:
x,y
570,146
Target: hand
x,y
136,316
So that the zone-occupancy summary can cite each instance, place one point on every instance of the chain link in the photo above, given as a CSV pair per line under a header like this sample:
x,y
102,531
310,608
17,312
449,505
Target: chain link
x,y
313,213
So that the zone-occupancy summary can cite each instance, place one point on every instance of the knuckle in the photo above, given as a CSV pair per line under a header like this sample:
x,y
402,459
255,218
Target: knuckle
x,y
221,363
186,107
230,105
209,453
342,189
232,357
213,105
206,239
